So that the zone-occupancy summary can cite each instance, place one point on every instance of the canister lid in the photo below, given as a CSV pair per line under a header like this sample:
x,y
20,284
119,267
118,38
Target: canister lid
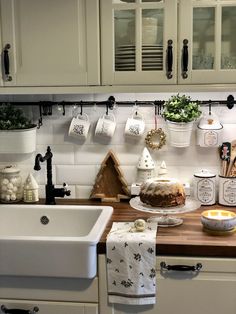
x,y
10,169
210,122
204,173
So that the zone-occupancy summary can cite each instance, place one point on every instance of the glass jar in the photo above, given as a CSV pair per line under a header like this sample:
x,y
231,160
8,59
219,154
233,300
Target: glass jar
x,y
11,185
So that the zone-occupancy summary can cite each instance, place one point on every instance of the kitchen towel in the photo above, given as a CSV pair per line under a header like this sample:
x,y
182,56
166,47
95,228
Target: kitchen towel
x,y
131,264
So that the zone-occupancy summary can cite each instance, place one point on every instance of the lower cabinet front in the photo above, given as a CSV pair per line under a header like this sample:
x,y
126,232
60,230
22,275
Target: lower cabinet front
x,y
210,289
46,307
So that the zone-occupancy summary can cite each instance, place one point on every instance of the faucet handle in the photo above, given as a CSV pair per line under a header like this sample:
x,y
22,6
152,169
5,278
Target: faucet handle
x,y
65,187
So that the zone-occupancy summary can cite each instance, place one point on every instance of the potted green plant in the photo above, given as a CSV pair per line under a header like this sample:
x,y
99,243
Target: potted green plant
x,y
17,132
180,112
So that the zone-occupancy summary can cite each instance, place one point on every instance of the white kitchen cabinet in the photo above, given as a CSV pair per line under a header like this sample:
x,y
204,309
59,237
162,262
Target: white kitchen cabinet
x,y
207,27
43,307
139,42
50,43
211,290
50,295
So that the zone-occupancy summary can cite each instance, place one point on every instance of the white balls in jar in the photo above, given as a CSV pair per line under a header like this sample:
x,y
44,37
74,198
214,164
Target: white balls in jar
x,y
11,189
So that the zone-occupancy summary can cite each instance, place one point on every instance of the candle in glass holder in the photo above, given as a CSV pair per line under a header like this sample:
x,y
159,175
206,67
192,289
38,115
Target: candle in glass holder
x,y
218,220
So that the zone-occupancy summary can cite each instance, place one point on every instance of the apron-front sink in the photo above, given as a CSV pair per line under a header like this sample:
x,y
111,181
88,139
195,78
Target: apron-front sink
x,y
51,240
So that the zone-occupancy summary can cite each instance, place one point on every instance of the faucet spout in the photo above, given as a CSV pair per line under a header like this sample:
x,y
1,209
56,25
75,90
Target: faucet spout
x,y
51,192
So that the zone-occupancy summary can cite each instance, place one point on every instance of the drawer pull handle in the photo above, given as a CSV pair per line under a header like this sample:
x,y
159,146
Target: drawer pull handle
x,y
169,59
6,62
4,309
196,268
185,59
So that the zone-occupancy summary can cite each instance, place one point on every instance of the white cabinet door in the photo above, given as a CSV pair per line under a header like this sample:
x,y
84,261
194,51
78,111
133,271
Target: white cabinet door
x,y
206,32
42,307
138,42
212,290
52,43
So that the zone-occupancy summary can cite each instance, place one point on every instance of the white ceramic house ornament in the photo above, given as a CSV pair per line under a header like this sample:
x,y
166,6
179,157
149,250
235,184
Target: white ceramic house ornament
x,y
162,170
145,166
31,190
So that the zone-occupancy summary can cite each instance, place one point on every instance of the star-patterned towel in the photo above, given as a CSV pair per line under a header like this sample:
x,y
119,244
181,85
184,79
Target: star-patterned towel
x,y
131,264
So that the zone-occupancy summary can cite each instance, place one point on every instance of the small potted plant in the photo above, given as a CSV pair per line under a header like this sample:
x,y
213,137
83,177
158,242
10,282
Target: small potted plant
x,y
17,132
180,112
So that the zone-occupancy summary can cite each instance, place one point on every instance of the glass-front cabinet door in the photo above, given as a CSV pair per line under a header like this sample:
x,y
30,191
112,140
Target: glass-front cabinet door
x,y
138,42
207,44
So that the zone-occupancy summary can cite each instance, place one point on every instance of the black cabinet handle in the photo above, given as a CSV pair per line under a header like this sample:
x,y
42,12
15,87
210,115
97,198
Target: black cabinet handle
x,y
6,63
169,59
4,309
196,268
185,59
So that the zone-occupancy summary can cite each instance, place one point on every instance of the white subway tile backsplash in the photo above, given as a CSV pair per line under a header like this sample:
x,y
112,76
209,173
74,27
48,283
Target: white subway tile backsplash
x,y
74,174
83,191
78,162
91,154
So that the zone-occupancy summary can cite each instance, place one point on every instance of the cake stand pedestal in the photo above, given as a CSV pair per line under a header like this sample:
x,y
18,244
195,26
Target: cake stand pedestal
x,y
165,220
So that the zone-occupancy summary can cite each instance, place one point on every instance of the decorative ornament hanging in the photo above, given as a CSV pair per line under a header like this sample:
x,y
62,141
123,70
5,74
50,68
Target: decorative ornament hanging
x,y
155,138
151,136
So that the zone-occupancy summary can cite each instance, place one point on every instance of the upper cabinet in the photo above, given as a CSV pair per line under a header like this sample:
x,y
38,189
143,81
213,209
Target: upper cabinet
x,y
139,42
60,43
50,43
207,43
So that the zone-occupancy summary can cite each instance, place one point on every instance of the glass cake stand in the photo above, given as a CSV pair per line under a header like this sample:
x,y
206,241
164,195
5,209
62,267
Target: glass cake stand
x,y
165,220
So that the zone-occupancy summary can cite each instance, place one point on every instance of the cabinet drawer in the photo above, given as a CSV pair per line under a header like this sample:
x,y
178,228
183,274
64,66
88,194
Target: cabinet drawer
x,y
209,265
57,289
44,307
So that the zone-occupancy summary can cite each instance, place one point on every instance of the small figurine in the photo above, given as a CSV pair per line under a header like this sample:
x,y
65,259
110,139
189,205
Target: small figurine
x,y
145,166
162,170
31,190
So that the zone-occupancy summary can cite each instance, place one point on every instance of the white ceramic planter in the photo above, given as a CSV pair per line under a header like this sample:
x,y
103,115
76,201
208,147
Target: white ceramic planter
x,y
18,141
179,133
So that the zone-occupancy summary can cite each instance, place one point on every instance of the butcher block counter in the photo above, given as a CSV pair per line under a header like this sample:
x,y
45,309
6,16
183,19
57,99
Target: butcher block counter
x,y
188,239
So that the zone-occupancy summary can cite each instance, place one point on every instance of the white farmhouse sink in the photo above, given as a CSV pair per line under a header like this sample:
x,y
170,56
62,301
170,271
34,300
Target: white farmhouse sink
x,y
65,246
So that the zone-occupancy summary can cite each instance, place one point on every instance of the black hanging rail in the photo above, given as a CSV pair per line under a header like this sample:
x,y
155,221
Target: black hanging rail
x,y
45,107
111,102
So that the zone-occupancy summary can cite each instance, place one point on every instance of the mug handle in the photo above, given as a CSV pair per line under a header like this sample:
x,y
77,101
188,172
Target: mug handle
x,y
83,116
109,116
137,116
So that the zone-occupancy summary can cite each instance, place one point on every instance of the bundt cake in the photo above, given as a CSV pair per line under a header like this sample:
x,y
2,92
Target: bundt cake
x,y
162,192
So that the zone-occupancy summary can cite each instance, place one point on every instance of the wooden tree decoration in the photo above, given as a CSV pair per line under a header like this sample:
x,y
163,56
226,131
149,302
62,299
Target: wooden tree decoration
x,y
110,185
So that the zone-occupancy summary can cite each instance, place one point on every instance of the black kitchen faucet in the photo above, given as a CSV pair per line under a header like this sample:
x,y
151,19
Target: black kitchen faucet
x,y
51,191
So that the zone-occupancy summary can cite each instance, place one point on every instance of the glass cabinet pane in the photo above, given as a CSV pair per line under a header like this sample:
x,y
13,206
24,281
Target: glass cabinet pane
x,y
152,39
228,43
203,38
124,27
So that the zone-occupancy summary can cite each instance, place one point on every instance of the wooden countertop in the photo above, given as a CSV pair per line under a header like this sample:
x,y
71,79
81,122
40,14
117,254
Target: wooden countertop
x,y
188,239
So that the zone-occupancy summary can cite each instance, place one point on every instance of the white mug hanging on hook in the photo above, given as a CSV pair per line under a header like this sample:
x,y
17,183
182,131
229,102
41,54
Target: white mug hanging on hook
x,y
106,125
209,131
79,126
135,125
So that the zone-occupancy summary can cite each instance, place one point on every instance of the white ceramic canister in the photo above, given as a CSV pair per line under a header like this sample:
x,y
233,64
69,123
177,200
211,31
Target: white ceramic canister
x,y
227,191
209,131
205,187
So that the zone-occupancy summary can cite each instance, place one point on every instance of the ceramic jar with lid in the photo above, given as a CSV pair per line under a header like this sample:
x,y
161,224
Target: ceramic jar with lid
x,y
205,187
209,131
11,185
